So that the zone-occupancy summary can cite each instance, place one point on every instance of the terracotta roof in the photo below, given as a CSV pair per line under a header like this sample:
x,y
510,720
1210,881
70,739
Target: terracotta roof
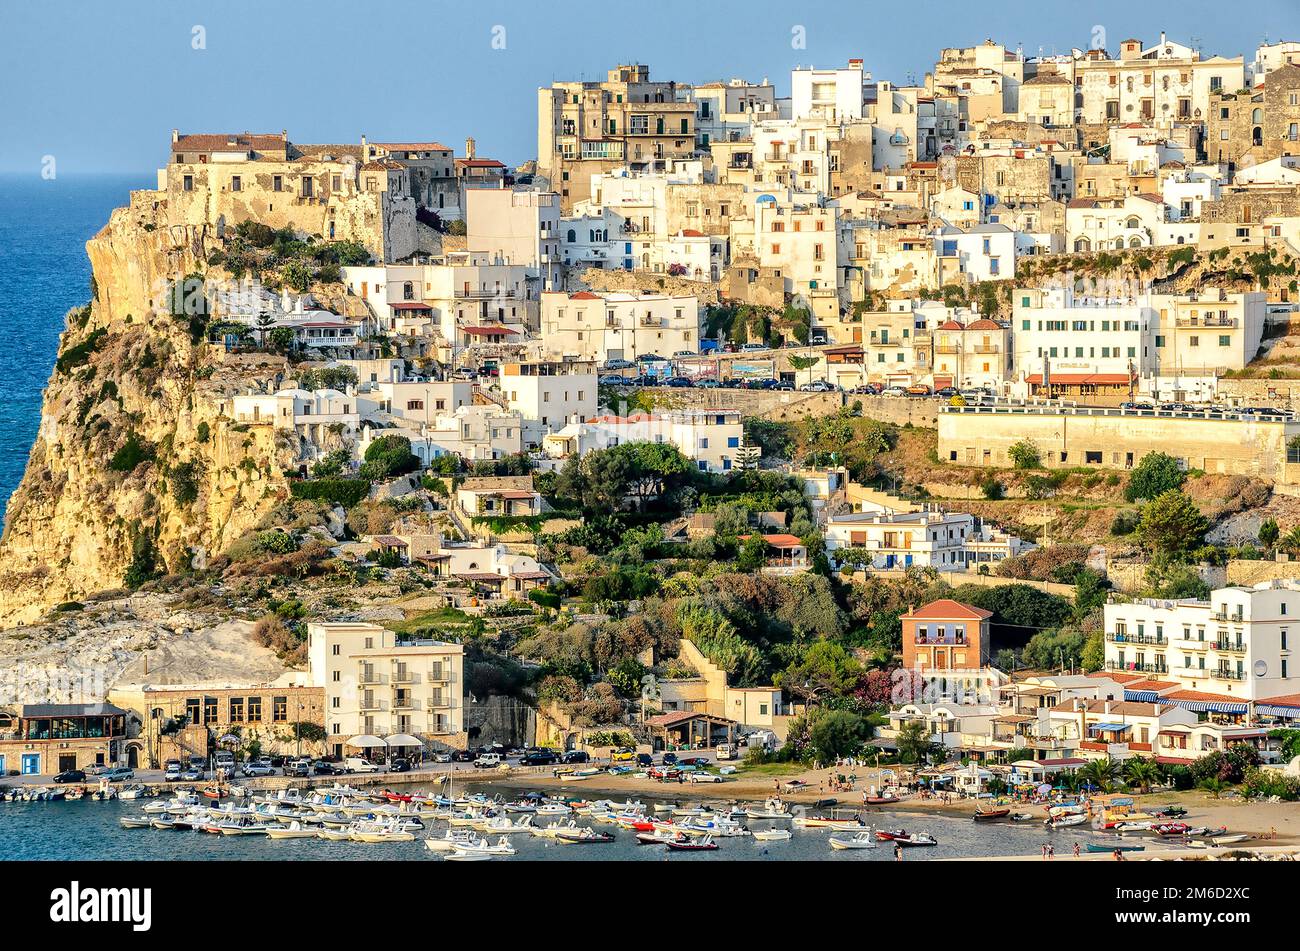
x,y
413,146
484,576
946,609
216,142
1150,685
1202,695
585,295
1117,379
951,325
1064,761
1289,700
1082,203
480,163
487,331
1116,675
390,540
984,324
411,305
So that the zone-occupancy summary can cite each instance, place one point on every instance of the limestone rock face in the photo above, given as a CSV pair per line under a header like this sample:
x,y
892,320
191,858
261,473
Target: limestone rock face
x,y
133,453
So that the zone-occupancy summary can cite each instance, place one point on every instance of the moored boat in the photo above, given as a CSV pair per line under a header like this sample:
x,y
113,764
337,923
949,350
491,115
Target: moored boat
x,y
861,840
991,815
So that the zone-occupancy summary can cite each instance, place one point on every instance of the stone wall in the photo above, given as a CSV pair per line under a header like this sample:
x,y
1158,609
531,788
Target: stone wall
x,y
784,405
1242,572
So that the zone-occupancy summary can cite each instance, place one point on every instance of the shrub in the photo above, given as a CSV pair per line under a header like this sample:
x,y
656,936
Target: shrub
x,y
1025,455
1155,475
76,355
184,478
389,456
277,542
335,491
132,452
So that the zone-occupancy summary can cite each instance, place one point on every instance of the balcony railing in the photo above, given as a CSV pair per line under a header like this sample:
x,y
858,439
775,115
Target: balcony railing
x,y
1235,647
371,677
1119,638
1223,674
1137,668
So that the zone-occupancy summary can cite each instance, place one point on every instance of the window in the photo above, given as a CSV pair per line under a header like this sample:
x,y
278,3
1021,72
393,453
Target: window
x,y
236,184
188,183
236,709
254,709
279,709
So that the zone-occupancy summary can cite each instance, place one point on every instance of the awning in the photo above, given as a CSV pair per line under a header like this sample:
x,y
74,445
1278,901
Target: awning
x,y
366,740
403,739
1141,696
1110,727
1075,379
411,305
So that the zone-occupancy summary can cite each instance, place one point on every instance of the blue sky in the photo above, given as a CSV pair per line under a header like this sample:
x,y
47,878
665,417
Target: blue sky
x,y
99,85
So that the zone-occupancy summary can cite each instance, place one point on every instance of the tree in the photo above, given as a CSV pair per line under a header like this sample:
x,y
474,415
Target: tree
x,y
1142,773
388,456
825,668
913,742
837,733
1100,773
799,364
1268,532
1024,455
1093,657
1172,524
1156,474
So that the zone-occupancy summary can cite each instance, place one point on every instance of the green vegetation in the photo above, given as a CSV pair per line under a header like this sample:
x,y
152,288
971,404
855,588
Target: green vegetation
x,y
335,491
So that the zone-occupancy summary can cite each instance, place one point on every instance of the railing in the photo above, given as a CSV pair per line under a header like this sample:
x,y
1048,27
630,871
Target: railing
x,y
1137,668
1235,647
1119,638
372,703
371,678
1222,674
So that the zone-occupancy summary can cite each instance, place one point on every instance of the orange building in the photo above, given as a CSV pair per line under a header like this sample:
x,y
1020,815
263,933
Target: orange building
x,y
946,635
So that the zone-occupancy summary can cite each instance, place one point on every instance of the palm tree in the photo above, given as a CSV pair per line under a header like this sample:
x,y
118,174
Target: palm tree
x,y
1142,773
1070,780
1214,785
1100,773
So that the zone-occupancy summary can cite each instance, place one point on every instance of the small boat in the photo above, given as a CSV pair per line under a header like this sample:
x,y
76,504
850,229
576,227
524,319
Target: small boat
x,y
915,839
773,835
334,835
136,822
991,815
1020,817
484,847
880,800
1142,825
826,822
1172,829
294,830
888,835
583,836
773,808
1172,812
449,841
135,791
1066,820
705,844
467,857
862,840
1114,847
1230,839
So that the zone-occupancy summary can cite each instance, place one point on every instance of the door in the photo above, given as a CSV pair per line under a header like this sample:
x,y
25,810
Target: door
x,y
31,764
133,757
67,761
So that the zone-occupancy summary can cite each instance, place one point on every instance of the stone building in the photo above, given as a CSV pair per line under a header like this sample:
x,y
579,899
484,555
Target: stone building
x,y
1253,126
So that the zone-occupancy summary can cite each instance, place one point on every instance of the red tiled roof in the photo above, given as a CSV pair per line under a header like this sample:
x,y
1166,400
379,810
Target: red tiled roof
x,y
946,608
585,295
217,142
778,540
487,331
951,325
984,324
1117,676
390,540
1064,761
411,305
413,146
1149,685
1202,695
480,163
1289,700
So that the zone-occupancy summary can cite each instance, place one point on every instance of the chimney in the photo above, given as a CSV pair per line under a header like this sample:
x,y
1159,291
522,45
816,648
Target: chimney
x,y
176,135
469,147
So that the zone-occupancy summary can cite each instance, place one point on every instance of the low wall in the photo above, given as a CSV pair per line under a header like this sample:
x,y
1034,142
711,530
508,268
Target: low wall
x,y
1246,573
784,405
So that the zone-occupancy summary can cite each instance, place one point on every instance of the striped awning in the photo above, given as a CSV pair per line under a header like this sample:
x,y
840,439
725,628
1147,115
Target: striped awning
x,y
1208,706
1274,710
1142,696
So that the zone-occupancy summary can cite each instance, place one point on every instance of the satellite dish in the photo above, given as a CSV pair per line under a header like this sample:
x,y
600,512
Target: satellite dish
x,y
1261,668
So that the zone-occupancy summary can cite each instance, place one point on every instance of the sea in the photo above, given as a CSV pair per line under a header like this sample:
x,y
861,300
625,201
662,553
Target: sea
x,y
88,829
44,271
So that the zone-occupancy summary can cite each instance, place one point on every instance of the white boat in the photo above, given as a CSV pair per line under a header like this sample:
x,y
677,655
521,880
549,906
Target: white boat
x,y
135,822
449,841
503,825
294,830
862,840
825,822
242,826
553,831
774,808
468,857
484,847
773,835
334,835
1230,839
1067,820
379,832
135,791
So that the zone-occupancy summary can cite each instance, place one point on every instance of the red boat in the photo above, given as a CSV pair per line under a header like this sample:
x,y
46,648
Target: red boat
x,y
1171,828
396,797
880,800
642,827
886,836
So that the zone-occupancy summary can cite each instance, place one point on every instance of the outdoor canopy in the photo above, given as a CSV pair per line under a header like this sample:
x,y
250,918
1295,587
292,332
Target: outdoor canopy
x,y
365,740
403,739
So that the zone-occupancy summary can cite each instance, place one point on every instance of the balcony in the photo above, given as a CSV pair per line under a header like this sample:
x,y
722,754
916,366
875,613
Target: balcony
x,y
1223,616
1233,647
1187,643
406,703
404,677
946,348
1223,673
987,348
1137,668
371,677
1120,638
370,704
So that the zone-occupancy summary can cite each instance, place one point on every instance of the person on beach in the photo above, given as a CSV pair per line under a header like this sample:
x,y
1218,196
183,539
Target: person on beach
x,y
1076,850
898,852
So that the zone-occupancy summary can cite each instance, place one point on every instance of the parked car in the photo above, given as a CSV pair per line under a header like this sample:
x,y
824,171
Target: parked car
x,y
299,768
462,756
894,391
258,769
488,761
752,347
693,761
782,385
576,756
699,777
669,759
358,764
399,764
172,770
326,768
625,754
99,769
443,757
540,758
71,776
616,380
817,386
726,751
644,760
918,389
119,774
946,392
649,358
678,381
618,365
683,353
868,388
708,384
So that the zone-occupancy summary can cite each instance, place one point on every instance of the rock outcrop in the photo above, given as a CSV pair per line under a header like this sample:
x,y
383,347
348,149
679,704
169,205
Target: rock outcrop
x,y
134,468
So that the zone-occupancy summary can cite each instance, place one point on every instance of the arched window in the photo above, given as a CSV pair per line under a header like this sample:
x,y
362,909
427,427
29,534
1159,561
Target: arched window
x,y
1083,244
573,236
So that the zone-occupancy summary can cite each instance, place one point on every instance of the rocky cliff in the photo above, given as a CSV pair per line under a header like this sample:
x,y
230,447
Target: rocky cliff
x,y
134,471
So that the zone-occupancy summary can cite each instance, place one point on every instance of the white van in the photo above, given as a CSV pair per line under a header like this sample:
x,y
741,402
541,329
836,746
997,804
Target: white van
x,y
359,764
726,751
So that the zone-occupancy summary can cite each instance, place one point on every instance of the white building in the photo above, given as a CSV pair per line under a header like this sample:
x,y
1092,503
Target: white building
x,y
549,394
1236,644
931,538
712,439
516,227
834,94
380,686
603,327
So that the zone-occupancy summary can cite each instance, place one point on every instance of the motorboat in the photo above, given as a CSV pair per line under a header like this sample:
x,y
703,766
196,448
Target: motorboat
x,y
242,825
705,844
294,830
468,857
553,831
826,822
1020,817
135,791
135,822
860,840
1143,825
773,835
991,815
916,839
484,847
504,825
773,808
880,800
1230,839
374,832
553,809
449,841
888,835
583,836
334,835
1067,820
